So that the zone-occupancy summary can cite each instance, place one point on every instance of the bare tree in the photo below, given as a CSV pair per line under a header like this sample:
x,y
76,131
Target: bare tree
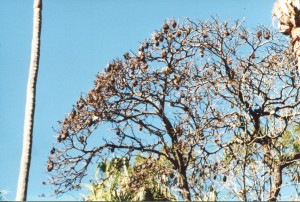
x,y
288,14
30,103
216,101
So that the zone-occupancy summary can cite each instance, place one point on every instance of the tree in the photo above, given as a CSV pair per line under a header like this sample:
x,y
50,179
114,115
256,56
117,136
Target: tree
x,y
118,182
288,13
218,102
30,103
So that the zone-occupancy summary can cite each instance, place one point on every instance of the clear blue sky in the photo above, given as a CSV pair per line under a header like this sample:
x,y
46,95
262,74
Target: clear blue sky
x,y
79,38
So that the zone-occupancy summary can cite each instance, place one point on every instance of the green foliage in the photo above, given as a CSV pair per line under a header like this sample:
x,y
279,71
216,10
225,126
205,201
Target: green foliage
x,y
296,147
115,175
116,183
287,139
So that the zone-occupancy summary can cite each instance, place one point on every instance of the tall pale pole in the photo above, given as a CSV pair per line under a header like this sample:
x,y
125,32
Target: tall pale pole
x,y
30,103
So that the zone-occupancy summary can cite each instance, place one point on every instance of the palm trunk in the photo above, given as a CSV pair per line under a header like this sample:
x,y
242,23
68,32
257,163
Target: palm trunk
x,y
30,104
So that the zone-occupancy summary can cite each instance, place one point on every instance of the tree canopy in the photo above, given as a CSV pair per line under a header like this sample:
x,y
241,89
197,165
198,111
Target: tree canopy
x,y
219,103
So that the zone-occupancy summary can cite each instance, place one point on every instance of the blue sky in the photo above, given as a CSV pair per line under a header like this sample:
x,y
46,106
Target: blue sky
x,y
79,38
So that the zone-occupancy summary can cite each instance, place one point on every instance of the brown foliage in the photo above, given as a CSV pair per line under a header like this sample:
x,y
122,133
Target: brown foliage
x,y
211,98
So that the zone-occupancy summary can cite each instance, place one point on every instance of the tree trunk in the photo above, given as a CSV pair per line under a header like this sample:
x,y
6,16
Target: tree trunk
x,y
30,103
186,195
276,183
186,192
